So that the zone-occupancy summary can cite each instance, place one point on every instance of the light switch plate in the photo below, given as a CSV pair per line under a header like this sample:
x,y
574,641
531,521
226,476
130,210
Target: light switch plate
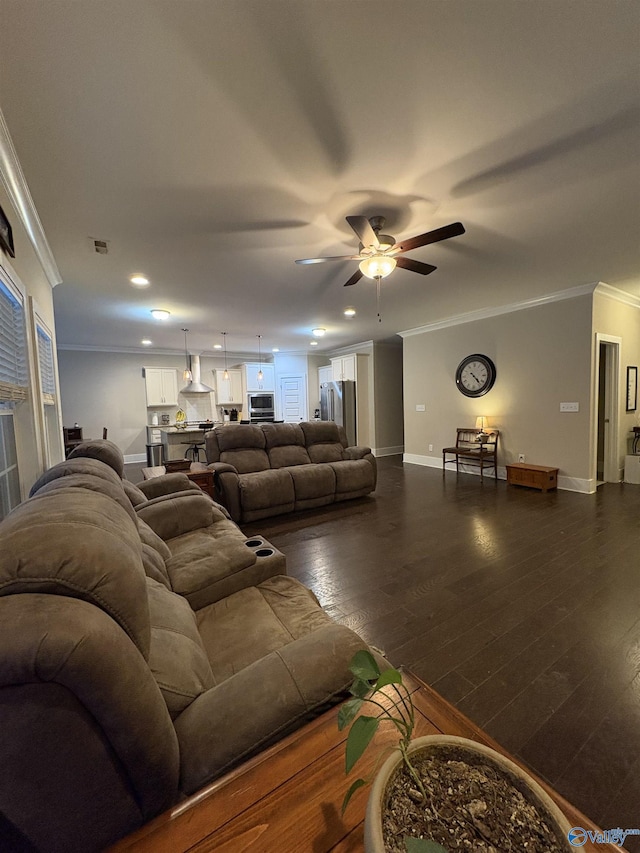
x,y
420,407
569,407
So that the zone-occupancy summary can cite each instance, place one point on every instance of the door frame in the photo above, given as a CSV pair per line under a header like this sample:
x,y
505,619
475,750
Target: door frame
x,y
611,473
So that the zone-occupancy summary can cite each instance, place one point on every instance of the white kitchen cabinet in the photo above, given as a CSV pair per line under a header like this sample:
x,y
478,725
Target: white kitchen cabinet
x,y
161,384
229,391
250,381
344,367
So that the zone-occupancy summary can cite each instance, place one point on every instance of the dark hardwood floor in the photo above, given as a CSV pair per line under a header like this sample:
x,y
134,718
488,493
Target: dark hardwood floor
x,y
520,608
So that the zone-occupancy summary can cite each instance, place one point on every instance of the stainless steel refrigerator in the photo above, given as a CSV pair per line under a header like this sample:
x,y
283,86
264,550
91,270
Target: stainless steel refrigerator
x,y
338,403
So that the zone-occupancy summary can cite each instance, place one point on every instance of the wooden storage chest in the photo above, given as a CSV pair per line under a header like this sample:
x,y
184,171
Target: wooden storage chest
x,y
535,476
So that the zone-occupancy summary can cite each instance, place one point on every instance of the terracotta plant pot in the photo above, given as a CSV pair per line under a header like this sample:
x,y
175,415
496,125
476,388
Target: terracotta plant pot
x,y
373,838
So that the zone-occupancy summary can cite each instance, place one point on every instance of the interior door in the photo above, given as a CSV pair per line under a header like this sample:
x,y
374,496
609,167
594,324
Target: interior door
x,y
293,399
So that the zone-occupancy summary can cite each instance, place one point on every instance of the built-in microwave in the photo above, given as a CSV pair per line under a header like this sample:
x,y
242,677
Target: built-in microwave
x,y
260,406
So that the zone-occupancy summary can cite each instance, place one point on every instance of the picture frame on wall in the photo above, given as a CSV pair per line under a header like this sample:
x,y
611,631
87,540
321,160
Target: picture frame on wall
x,y
632,389
6,235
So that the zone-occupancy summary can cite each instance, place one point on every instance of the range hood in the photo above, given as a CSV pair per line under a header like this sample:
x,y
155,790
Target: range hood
x,y
196,386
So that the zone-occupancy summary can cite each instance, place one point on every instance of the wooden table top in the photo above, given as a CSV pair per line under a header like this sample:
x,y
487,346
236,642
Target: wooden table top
x,y
289,797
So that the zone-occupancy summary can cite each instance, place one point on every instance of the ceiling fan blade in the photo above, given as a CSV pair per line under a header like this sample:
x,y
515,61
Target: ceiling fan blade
x,y
415,266
355,278
453,230
333,258
364,231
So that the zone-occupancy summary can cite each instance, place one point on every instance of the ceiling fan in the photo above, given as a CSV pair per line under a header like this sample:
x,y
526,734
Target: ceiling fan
x,y
379,254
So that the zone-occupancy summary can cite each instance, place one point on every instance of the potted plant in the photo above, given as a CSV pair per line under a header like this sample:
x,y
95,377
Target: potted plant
x,y
440,793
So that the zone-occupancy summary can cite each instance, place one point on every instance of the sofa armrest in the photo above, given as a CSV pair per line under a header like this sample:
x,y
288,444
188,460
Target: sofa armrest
x,y
167,484
277,694
356,452
172,515
221,467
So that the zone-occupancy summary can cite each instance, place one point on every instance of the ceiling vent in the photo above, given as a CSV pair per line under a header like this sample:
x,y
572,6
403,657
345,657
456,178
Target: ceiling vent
x,y
100,247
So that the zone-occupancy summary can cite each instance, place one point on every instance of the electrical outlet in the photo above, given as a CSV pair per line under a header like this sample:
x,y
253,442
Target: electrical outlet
x,y
569,407
431,447
520,457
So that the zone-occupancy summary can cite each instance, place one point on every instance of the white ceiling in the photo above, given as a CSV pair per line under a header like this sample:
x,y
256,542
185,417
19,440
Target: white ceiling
x,y
213,142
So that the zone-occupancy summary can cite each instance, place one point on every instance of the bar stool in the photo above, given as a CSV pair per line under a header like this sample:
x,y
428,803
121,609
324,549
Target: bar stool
x,y
193,449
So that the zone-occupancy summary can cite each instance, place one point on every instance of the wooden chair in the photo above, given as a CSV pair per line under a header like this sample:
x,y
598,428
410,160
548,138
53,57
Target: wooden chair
x,y
473,452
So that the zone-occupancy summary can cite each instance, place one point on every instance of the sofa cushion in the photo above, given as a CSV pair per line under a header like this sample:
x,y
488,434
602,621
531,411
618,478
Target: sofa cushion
x,y
325,452
353,476
177,657
76,466
80,544
249,624
288,455
279,435
265,489
103,450
177,513
92,483
135,495
246,460
323,432
150,537
313,481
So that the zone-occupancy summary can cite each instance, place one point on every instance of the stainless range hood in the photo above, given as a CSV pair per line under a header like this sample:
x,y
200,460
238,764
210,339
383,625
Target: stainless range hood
x,y
196,386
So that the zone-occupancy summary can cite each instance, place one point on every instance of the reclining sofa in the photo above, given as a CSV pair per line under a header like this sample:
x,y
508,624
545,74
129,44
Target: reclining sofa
x,y
147,648
263,470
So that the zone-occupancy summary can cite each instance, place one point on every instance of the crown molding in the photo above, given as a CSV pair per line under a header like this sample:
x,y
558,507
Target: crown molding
x,y
616,294
15,183
485,313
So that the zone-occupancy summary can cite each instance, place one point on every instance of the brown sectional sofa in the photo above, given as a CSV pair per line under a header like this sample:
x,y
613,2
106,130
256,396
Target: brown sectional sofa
x,y
147,648
269,469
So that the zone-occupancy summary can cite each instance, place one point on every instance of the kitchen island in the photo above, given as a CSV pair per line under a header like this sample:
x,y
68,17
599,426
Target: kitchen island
x,y
176,441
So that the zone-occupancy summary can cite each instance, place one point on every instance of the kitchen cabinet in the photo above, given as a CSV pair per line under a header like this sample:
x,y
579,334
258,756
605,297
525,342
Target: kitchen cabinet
x,y
344,367
229,391
250,381
161,384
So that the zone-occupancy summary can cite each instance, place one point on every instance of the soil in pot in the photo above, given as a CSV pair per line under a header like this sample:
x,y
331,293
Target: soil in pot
x,y
472,805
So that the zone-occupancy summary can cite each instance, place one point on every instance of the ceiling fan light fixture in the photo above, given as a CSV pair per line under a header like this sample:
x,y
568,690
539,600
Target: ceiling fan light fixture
x,y
318,333
349,312
377,266
160,314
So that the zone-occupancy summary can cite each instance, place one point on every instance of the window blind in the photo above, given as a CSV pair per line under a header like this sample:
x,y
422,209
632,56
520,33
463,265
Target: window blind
x,y
45,361
13,355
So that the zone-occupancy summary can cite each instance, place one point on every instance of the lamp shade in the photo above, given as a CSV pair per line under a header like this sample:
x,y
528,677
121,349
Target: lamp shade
x,y
481,422
377,266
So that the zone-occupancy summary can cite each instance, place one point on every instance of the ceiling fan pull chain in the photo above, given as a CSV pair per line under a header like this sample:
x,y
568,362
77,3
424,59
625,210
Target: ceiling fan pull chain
x,y
378,280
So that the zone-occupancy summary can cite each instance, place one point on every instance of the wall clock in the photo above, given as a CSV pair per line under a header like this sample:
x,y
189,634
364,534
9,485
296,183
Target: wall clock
x,y
475,375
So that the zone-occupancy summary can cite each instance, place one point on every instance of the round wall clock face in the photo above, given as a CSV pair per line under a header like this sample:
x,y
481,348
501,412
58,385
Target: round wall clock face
x,y
475,375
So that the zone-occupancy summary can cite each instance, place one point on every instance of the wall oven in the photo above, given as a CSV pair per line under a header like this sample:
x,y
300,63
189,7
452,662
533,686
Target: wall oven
x,y
260,407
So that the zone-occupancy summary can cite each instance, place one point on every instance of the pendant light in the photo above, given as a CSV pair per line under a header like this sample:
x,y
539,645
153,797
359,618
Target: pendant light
x,y
260,373
186,373
225,375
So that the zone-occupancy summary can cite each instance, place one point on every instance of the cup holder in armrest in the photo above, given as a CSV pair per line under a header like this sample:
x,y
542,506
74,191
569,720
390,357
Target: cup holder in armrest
x,y
254,543
265,552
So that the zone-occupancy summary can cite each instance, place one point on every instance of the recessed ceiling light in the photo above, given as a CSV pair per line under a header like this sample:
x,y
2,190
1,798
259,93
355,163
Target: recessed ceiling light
x,y
139,280
349,312
313,343
146,342
318,333
217,346
160,314
275,349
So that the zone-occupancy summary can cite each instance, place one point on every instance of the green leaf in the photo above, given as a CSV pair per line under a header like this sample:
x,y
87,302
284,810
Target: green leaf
x,y
422,845
389,676
363,665
347,712
352,789
360,734
360,688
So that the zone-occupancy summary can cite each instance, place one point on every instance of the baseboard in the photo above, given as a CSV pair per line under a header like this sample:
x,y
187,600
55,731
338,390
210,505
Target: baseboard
x,y
135,458
387,451
566,484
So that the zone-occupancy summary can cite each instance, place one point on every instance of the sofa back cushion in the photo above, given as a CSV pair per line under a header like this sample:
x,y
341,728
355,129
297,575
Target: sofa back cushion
x,y
285,445
76,466
177,657
243,446
102,449
324,441
94,484
81,544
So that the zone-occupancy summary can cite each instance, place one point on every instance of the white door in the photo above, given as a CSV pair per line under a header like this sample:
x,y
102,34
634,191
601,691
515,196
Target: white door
x,y
293,399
